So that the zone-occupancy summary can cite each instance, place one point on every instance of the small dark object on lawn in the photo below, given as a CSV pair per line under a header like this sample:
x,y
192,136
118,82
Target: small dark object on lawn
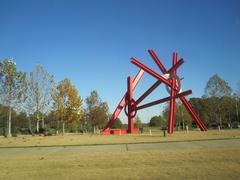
x,y
164,131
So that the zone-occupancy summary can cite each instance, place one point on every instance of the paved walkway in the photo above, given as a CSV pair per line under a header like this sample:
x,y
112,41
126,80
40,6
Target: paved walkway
x,y
234,143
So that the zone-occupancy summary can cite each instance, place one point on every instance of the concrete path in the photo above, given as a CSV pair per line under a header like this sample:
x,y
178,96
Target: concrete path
x,y
234,143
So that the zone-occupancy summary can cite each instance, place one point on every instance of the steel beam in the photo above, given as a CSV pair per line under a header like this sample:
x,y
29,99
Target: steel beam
x,y
176,66
130,104
158,82
150,71
193,113
157,61
123,101
185,93
172,100
149,91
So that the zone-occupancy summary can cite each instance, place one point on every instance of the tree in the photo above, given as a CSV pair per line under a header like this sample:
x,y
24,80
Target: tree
x,y
67,103
3,117
238,88
13,86
236,102
96,113
181,116
138,122
40,85
21,120
51,120
236,96
203,108
228,110
215,90
156,121
217,87
117,124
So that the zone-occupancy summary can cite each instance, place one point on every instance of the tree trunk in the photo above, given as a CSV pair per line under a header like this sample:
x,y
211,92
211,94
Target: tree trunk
x,y
43,125
183,123
57,127
63,128
37,121
4,129
220,121
9,122
37,126
237,110
30,126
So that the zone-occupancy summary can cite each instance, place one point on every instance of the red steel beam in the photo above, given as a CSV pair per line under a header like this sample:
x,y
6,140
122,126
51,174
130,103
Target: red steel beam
x,y
161,66
193,113
130,104
137,78
176,66
172,99
158,82
157,61
150,71
185,93
123,101
149,91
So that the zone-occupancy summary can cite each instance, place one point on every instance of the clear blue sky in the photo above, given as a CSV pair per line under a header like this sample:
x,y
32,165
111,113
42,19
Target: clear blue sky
x,y
91,42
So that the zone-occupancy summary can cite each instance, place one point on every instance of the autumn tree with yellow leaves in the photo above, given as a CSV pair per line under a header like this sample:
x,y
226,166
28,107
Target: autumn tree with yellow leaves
x,y
67,103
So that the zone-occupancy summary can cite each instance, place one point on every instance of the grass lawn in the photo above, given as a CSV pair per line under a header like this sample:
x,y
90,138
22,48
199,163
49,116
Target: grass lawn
x,y
214,162
157,136
201,164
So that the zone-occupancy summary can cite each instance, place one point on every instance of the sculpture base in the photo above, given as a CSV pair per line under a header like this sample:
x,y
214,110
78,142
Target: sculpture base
x,y
118,131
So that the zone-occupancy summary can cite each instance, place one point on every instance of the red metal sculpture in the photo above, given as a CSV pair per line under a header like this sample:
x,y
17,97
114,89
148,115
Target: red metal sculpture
x,y
173,85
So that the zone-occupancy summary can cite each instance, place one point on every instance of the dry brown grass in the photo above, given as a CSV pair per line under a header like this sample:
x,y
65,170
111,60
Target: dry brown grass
x,y
214,162
115,139
176,164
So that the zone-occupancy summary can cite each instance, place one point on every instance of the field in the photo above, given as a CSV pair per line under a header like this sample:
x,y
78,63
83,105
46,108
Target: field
x,y
196,155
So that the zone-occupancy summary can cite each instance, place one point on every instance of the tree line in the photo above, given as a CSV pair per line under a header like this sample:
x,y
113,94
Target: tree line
x,y
217,108
34,103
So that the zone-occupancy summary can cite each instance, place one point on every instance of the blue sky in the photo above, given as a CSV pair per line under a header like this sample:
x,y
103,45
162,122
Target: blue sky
x,y
91,42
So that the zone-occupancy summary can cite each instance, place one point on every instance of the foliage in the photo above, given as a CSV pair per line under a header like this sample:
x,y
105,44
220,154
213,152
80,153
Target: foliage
x,y
182,117
96,112
237,94
19,121
218,107
117,124
67,103
216,111
217,87
40,85
13,86
157,121
138,122
217,94
213,111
